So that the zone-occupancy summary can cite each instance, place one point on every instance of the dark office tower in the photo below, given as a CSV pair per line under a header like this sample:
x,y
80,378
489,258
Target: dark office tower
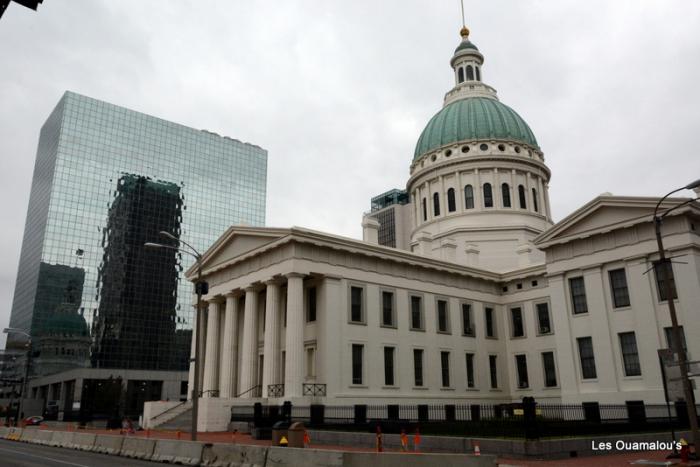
x,y
392,211
81,197
137,286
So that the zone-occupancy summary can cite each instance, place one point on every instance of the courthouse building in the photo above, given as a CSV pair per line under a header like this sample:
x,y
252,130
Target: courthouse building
x,y
466,291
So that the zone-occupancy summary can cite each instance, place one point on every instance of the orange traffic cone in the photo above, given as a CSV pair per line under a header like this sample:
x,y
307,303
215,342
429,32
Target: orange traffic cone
x,y
477,451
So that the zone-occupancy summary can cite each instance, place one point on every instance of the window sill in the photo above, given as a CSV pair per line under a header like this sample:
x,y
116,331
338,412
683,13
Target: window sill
x,y
387,326
633,378
359,386
474,389
468,335
358,323
542,334
447,333
589,380
395,388
549,388
417,330
622,308
495,390
523,389
575,315
420,388
493,338
447,389
515,338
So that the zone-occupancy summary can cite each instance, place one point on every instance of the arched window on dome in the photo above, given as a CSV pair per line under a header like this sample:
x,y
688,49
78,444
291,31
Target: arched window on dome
x,y
468,197
436,204
488,196
460,75
425,209
505,194
451,204
521,195
478,73
470,73
534,201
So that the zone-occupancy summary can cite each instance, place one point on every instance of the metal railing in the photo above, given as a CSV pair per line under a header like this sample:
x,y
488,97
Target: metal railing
x,y
312,389
171,409
255,391
275,390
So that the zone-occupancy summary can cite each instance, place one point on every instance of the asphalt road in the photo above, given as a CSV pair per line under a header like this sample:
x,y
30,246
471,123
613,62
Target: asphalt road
x,y
15,454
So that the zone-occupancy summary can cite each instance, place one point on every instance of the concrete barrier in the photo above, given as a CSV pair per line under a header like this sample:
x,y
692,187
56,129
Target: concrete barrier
x,y
83,441
233,455
14,434
108,444
391,459
178,452
291,457
138,448
43,437
62,439
28,435
4,431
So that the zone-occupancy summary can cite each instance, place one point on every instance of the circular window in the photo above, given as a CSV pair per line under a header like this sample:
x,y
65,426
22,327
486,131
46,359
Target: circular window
x,y
465,148
448,153
501,147
517,149
484,147
433,157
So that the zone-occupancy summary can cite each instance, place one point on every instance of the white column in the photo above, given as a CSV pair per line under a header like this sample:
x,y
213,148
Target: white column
x,y
249,348
211,360
190,378
294,370
272,336
202,315
229,359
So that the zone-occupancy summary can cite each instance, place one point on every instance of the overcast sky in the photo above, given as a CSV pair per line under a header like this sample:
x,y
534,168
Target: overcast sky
x,y
339,91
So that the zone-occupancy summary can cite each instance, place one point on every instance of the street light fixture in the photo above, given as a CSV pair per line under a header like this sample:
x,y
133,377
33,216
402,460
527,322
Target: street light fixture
x,y
666,271
201,288
27,359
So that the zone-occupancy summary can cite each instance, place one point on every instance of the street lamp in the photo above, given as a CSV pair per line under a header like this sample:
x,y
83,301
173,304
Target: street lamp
x,y
667,275
26,365
201,288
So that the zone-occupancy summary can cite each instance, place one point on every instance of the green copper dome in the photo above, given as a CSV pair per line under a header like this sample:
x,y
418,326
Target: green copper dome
x,y
473,118
465,45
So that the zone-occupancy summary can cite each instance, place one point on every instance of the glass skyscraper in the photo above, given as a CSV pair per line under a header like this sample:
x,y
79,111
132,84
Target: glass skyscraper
x,y
107,180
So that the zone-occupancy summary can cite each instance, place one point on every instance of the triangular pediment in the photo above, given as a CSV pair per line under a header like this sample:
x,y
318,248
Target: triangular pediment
x,y
238,241
603,214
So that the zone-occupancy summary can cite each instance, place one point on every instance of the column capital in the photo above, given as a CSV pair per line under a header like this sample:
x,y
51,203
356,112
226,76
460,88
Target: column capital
x,y
273,281
233,293
294,274
254,287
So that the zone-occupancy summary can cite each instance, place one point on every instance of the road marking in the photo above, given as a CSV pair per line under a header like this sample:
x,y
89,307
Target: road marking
x,y
45,458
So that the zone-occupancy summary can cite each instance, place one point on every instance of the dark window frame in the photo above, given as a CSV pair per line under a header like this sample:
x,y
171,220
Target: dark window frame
x,y
488,195
436,204
587,357
469,367
357,364
661,283
542,327
442,315
418,380
468,197
468,328
521,197
493,371
550,370
445,369
389,365
451,201
577,293
311,304
420,312
517,322
521,371
391,312
353,304
490,322
619,290
535,204
505,195
630,353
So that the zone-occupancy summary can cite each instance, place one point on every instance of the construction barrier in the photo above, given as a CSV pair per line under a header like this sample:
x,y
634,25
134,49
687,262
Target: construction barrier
x,y
291,457
108,444
83,441
4,431
138,448
63,439
14,434
391,459
43,437
178,452
227,455
28,435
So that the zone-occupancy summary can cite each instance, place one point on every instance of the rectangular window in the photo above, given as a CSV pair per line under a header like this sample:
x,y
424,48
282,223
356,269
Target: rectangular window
x,y
493,371
389,366
442,312
550,372
516,315
630,356
585,352
467,326
488,318
388,309
618,287
356,312
416,312
311,304
445,367
663,270
578,295
310,362
543,318
418,367
470,370
670,340
521,366
357,350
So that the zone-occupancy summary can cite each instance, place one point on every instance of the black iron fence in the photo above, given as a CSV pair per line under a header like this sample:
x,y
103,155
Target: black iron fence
x,y
526,419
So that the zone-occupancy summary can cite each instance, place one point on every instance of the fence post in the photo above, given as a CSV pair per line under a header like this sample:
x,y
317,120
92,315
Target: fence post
x,y
682,414
450,413
475,412
530,418
257,414
287,411
317,415
591,412
422,413
636,412
392,411
360,414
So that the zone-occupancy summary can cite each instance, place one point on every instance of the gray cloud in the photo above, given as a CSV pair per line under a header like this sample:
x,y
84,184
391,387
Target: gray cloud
x,y
338,92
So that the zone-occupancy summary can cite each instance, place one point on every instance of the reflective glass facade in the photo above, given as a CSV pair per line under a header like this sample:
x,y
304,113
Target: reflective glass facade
x,y
106,180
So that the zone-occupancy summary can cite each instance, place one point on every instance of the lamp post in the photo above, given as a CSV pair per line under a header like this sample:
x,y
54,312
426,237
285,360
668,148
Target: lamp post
x,y
27,359
667,275
200,288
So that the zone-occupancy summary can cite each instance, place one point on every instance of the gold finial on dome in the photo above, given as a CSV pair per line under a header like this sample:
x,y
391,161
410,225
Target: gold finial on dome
x,y
464,32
